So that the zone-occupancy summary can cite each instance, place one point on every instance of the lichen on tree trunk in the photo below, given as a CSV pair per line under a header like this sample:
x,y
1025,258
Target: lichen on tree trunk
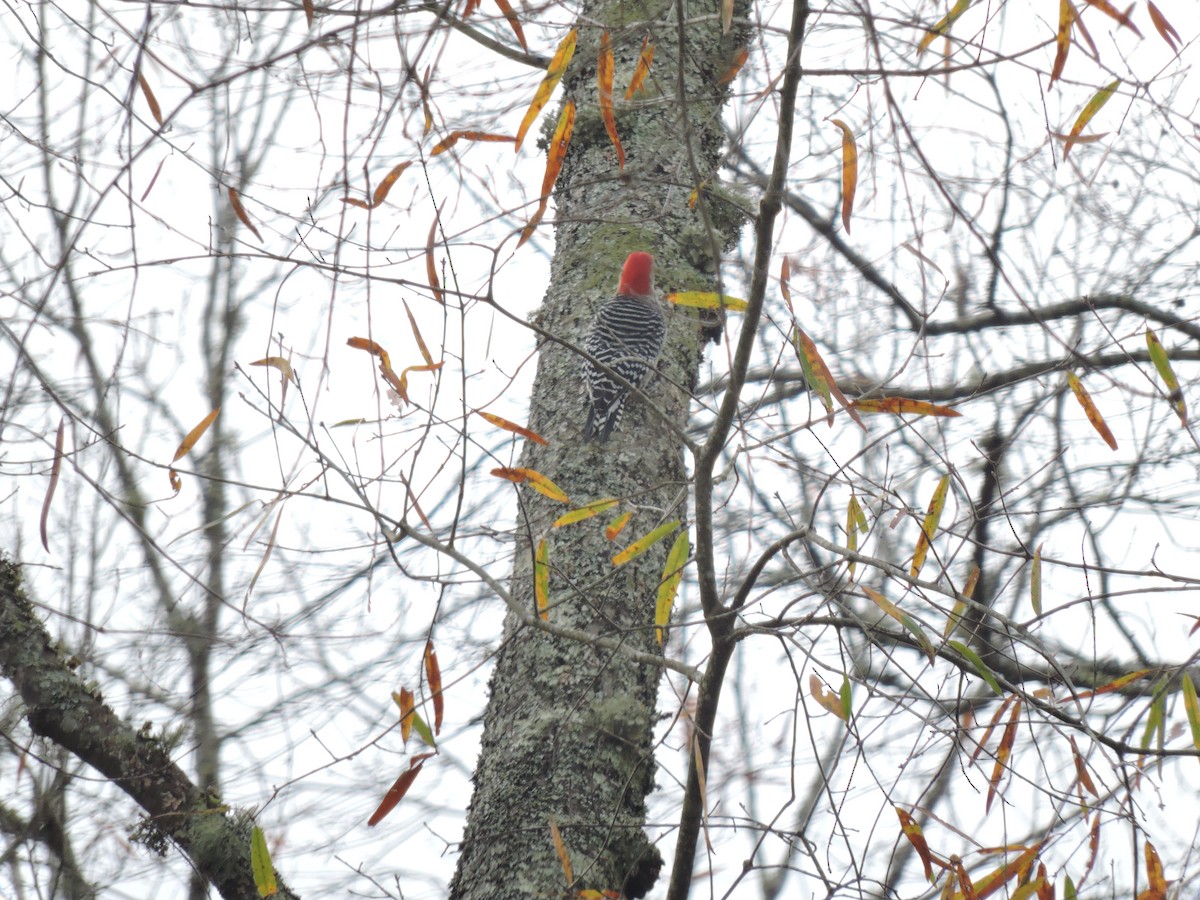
x,y
569,727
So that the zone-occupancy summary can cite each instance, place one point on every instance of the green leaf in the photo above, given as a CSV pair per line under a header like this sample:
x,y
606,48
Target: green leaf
x,y
422,730
669,586
1192,705
977,663
260,864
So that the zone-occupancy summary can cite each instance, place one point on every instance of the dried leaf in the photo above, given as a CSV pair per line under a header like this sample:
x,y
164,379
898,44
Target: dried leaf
x,y
604,81
157,171
785,272
431,263
385,363
1035,581
849,171
1165,28
1155,875
236,201
830,701
707,300
282,365
916,837
955,617
929,527
1109,10
1090,410
479,136
433,677
382,189
899,406
586,511
1066,15
535,480
1092,107
151,100
55,470
513,22
807,351
186,445
541,581
907,621
1085,780
642,70
560,850
407,704
1003,752
397,791
735,66
262,563
554,72
856,522
669,585
513,427
644,543
555,156
309,12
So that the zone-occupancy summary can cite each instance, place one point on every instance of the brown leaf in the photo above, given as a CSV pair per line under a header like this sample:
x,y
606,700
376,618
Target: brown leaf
x,y
397,791
1066,14
560,850
151,100
55,470
382,189
501,422
425,355
236,201
1003,752
309,11
1109,10
431,263
385,363
1165,28
1090,410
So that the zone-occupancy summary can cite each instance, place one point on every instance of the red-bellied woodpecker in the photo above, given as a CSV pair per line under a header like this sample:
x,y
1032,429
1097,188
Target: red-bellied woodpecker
x,y
626,336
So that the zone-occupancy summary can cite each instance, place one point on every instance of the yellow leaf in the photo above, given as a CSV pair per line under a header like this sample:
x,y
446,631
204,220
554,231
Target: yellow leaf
x,y
707,300
541,580
826,697
554,72
617,525
644,543
260,864
1162,363
943,25
955,617
604,81
186,445
455,136
642,70
586,511
405,701
669,586
535,480
916,837
1090,410
929,527
1093,106
849,171
555,156
856,523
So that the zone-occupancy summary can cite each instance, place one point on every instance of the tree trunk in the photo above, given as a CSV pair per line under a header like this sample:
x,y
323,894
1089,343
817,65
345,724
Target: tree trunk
x,y
568,731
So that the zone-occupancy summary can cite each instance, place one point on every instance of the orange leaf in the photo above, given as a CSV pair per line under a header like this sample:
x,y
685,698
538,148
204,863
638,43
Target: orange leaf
x,y
554,72
513,22
403,389
240,211
987,734
735,66
431,263
993,881
405,701
1165,28
849,171
151,100
555,156
1155,875
425,355
382,189
1003,752
433,676
186,444
785,272
1092,107
1109,10
455,136
397,791
916,837
642,70
561,850
1066,14
385,364
55,469
535,480
617,525
902,405
1090,410
818,364
513,427
1115,685
604,80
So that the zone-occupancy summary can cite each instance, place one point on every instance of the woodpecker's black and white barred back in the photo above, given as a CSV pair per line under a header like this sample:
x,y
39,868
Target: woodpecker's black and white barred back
x,y
627,336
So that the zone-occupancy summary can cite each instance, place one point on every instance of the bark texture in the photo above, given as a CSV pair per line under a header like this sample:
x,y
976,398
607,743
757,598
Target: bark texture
x,y
568,732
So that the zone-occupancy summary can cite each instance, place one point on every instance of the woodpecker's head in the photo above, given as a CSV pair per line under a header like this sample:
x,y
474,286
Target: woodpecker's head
x,y
637,276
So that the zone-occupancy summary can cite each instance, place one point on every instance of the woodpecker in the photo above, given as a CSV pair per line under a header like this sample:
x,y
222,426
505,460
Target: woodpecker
x,y
626,336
